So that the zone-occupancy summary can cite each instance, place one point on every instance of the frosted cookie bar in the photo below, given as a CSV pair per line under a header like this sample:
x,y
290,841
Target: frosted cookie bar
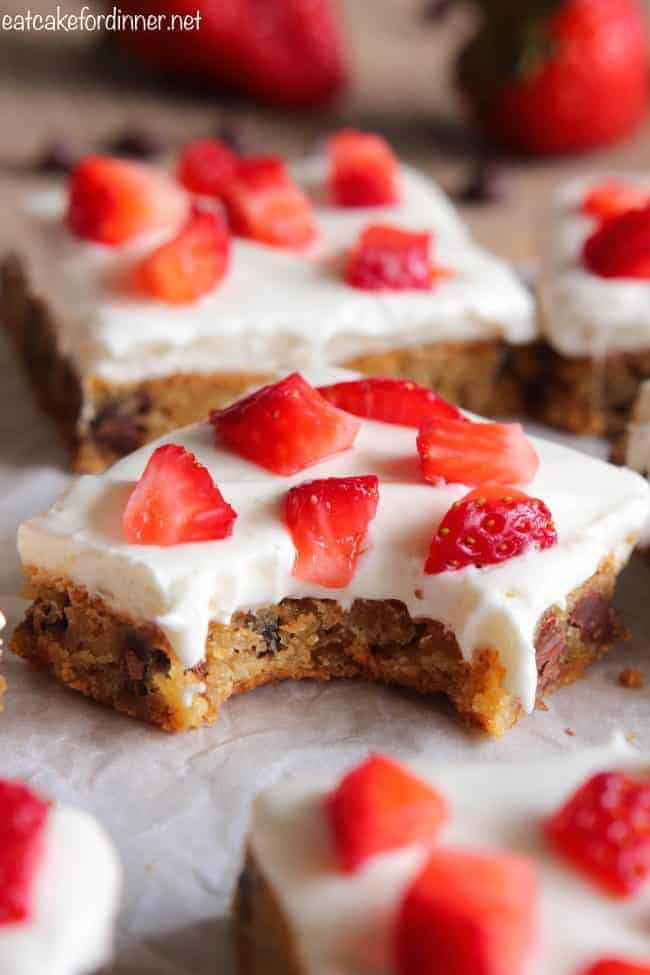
x,y
136,308
60,889
436,870
366,528
594,296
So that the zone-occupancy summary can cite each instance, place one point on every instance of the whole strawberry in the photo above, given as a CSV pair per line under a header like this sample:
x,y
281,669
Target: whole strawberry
x,y
554,76
289,52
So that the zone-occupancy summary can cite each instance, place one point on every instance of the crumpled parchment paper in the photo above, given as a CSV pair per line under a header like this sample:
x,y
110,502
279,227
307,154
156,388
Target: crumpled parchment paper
x,y
177,806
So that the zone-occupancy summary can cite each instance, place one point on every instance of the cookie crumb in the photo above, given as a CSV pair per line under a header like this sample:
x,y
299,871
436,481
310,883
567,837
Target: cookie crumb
x,y
631,736
570,732
631,677
419,593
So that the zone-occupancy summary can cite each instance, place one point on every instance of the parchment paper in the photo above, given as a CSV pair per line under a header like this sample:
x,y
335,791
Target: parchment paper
x,y
177,807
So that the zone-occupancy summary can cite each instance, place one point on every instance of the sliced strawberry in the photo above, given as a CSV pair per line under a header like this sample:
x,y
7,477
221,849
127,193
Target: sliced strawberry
x,y
489,525
190,264
390,259
206,166
603,829
23,817
328,521
110,201
617,966
265,205
381,806
363,170
285,427
612,197
468,913
390,401
620,247
456,452
176,501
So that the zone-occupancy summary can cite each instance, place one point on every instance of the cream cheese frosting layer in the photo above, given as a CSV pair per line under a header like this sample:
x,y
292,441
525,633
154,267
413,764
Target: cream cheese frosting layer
x,y
275,308
584,314
342,923
75,902
597,508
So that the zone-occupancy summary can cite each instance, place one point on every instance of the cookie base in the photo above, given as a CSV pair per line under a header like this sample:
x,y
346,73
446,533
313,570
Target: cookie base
x,y
130,666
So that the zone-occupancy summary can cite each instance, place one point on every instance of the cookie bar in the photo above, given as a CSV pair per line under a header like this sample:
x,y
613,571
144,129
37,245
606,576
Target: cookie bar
x,y
309,560
594,298
303,909
61,887
117,368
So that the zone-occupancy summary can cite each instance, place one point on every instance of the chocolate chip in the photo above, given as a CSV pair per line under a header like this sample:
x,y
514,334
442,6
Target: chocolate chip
x,y
138,143
47,616
591,614
437,9
140,661
485,184
118,424
56,156
550,644
266,626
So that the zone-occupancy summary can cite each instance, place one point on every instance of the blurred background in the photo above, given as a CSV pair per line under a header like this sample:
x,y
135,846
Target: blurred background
x,y
385,65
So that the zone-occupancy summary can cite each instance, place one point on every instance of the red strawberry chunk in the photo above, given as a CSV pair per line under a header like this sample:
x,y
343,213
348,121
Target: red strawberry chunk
x,y
206,166
457,452
363,170
612,197
328,522
390,259
390,401
603,829
378,807
176,501
620,247
189,265
617,966
468,913
110,201
487,526
285,427
22,822
265,205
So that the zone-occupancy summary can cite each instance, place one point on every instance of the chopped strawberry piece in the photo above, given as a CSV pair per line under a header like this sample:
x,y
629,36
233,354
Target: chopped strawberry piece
x,y
206,166
390,401
176,501
489,525
613,196
468,913
363,170
617,966
457,452
190,264
22,822
389,259
381,806
620,247
110,201
265,205
328,521
285,427
603,829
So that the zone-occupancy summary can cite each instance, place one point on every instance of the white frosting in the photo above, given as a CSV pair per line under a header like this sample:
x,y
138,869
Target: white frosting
x,y
584,314
275,308
341,923
597,509
75,900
